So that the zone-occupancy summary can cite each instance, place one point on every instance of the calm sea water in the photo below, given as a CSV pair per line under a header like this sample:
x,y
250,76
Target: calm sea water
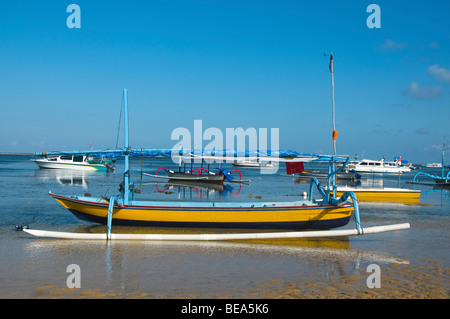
x,y
33,268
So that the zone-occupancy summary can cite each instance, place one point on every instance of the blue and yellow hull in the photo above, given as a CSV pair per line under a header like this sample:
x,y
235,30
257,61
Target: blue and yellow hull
x,y
290,215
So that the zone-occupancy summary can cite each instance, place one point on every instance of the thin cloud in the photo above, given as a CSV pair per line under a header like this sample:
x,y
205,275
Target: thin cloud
x,y
390,45
416,92
422,131
436,147
434,45
401,106
433,147
439,73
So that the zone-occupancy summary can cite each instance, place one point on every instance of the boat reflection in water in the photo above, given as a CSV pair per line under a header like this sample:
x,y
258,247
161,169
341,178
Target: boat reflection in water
x,y
65,177
196,190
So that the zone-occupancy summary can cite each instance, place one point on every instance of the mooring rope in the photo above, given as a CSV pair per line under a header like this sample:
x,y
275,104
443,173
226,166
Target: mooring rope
x,y
20,207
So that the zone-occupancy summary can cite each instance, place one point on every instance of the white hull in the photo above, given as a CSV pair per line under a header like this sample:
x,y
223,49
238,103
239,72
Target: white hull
x,y
253,164
436,165
77,163
71,166
381,170
369,166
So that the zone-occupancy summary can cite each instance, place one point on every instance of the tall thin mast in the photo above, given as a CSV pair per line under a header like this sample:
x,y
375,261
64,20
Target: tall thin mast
x,y
332,100
332,168
442,164
126,179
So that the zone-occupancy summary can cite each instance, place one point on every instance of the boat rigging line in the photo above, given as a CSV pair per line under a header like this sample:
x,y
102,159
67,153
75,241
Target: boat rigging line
x,y
120,119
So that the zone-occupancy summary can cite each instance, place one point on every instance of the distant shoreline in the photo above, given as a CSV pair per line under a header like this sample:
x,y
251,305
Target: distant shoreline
x,y
17,154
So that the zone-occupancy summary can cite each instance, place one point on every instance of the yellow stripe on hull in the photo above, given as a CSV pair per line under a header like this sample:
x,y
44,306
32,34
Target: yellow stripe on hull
x,y
325,215
385,196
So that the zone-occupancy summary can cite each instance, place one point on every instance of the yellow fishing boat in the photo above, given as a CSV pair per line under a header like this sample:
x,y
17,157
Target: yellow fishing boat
x,y
302,214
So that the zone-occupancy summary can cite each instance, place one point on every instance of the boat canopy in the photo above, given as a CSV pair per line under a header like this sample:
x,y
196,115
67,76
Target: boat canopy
x,y
287,155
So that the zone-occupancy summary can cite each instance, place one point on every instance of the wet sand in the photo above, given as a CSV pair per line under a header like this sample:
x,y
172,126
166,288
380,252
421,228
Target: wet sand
x,y
428,280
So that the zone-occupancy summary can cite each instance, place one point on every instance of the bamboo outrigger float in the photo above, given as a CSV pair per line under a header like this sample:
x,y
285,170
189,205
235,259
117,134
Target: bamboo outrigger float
x,y
321,214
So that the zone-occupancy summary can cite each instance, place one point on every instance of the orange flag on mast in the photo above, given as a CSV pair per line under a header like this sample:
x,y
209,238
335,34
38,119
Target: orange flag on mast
x,y
334,135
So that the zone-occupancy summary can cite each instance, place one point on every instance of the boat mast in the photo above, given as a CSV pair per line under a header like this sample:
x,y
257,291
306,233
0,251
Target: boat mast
x,y
442,160
332,100
332,168
126,180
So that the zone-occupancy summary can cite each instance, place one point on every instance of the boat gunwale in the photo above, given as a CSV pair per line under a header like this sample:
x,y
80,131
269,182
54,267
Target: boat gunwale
x,y
251,206
379,190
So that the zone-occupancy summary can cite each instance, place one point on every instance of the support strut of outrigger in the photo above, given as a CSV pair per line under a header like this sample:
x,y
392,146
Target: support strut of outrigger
x,y
112,200
343,199
315,181
356,207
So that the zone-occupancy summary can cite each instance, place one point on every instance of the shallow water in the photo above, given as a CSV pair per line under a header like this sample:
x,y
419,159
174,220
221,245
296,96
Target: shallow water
x,y
414,263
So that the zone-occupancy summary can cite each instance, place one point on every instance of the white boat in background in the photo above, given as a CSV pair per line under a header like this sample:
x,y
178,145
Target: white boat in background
x,y
74,162
253,164
435,165
379,166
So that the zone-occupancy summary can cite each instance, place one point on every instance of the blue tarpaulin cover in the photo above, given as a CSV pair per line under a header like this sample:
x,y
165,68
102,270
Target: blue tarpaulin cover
x,y
167,153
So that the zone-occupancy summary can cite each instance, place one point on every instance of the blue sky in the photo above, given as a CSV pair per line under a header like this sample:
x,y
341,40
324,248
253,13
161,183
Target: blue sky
x,y
230,64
